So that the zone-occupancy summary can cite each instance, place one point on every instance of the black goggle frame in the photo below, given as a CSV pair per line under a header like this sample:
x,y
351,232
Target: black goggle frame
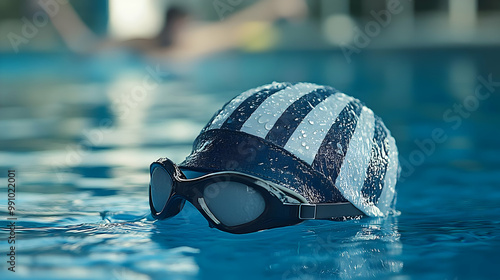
x,y
283,207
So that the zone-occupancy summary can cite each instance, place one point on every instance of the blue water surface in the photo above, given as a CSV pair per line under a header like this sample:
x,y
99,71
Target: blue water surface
x,y
81,131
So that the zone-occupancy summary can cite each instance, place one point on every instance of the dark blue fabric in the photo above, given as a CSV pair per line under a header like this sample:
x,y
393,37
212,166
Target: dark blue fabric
x,y
334,147
375,173
213,118
247,107
295,114
226,150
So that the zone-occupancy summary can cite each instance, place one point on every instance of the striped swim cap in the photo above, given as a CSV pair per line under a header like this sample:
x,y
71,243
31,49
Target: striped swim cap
x,y
319,142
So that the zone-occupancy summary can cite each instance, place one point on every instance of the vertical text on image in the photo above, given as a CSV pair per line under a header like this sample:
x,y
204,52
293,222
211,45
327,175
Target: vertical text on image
x,y
11,218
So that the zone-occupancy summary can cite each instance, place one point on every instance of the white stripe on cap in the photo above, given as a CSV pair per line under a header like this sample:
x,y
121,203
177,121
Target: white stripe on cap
x,y
232,105
307,138
391,176
264,118
353,171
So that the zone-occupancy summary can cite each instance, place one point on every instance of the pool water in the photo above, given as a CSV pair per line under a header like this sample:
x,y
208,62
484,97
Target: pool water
x,y
80,133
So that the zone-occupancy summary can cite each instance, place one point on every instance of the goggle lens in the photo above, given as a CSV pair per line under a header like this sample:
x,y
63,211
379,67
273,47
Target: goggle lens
x,y
161,187
233,203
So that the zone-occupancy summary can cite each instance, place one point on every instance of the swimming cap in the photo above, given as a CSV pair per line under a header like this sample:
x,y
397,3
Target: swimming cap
x,y
316,141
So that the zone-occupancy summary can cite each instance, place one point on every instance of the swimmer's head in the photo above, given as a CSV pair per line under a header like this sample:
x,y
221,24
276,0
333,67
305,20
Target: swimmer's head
x,y
175,20
320,152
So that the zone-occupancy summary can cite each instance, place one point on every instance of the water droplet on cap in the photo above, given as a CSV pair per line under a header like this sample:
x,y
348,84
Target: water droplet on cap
x,y
339,149
263,119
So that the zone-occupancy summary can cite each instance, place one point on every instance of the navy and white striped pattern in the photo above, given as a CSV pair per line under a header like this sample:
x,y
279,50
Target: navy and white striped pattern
x,y
334,133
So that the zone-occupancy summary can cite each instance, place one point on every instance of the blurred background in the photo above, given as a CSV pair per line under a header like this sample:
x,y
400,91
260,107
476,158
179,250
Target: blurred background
x,y
91,92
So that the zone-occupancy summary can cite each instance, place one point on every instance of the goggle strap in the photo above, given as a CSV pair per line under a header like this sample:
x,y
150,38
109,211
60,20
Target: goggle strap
x,y
327,211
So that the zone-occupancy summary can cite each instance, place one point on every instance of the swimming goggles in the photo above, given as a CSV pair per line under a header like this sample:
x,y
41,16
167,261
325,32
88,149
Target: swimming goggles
x,y
235,202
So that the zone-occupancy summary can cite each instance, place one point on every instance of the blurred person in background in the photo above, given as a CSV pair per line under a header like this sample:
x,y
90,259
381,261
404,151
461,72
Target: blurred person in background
x,y
182,38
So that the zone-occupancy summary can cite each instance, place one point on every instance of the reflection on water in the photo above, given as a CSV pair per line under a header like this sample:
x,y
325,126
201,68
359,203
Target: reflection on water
x,y
367,249
185,246
82,148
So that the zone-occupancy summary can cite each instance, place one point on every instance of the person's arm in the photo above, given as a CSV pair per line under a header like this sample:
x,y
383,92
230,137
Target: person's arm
x,y
230,33
77,36
268,11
